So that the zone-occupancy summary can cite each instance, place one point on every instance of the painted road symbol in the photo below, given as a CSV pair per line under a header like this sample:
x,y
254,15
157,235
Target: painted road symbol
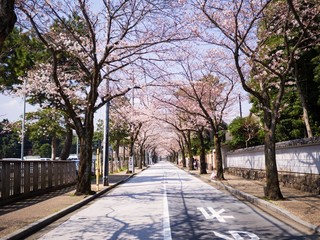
x,y
214,214
237,235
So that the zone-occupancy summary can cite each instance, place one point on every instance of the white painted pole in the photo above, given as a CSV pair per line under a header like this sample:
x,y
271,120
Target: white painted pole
x,y
23,120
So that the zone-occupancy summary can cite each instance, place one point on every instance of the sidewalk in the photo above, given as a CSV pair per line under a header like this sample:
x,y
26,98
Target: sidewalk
x,y
301,207
22,218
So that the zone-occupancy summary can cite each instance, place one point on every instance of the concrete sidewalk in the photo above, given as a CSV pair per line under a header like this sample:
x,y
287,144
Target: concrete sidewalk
x,y
23,218
300,207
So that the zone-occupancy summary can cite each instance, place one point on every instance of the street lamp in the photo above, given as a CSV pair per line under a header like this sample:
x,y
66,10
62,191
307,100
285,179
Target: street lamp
x,y
106,143
240,107
23,119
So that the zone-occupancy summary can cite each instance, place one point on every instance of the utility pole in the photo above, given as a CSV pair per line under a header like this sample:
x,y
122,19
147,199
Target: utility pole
x,y
106,144
106,123
240,107
23,119
131,157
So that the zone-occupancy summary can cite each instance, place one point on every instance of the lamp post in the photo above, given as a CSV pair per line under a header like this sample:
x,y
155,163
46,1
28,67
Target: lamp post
x,y
240,107
131,157
106,123
23,119
106,144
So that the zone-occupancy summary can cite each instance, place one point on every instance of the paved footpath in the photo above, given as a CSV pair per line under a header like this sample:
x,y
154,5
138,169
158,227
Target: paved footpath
x,y
21,218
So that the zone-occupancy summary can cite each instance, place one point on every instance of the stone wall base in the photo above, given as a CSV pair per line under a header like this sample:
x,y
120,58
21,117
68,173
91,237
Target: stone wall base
x,y
304,182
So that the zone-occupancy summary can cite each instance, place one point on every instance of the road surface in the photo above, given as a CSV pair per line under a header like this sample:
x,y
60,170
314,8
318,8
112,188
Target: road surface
x,y
164,202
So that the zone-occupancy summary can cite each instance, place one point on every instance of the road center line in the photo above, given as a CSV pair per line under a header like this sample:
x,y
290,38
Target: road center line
x,y
166,217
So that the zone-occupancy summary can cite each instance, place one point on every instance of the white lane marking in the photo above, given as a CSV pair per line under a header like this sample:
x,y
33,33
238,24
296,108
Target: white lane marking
x,y
237,235
166,217
214,214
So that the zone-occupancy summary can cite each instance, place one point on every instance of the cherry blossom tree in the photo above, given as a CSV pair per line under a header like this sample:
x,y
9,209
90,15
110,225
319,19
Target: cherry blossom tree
x,y
149,135
167,112
90,52
247,29
167,143
182,149
125,113
203,97
209,99
174,147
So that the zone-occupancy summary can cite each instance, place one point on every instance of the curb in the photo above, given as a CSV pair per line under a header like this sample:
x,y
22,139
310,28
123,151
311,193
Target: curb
x,y
259,202
36,226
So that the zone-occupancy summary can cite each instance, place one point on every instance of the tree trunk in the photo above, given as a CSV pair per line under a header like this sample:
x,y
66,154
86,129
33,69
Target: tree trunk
x,y
67,145
203,169
190,162
272,189
218,156
131,149
154,156
8,19
183,153
144,162
111,161
303,104
117,160
141,156
176,157
184,160
131,153
84,176
124,158
189,150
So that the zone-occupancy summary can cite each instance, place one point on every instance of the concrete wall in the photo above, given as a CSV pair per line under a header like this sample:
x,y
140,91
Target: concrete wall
x,y
298,163
303,158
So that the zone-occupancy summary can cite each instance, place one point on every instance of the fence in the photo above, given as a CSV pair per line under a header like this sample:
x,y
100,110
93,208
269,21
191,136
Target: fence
x,y
22,178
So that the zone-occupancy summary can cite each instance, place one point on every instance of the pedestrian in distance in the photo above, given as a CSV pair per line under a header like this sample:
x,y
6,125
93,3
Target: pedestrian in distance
x,y
195,164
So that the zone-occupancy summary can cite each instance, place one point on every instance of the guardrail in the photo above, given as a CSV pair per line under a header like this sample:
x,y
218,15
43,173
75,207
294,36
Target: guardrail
x,y
23,178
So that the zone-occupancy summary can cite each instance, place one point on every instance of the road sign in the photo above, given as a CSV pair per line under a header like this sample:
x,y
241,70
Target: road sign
x,y
131,164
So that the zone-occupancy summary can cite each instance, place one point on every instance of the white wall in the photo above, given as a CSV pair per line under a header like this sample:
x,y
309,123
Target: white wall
x,y
298,159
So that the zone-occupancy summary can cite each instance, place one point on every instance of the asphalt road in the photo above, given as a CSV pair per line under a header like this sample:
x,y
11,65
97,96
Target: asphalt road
x,y
164,202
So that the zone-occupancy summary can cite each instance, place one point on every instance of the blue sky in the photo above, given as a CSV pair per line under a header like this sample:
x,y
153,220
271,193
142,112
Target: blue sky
x,y
12,108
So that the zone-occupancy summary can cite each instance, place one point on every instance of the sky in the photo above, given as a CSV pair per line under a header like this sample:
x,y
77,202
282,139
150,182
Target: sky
x,y
11,108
